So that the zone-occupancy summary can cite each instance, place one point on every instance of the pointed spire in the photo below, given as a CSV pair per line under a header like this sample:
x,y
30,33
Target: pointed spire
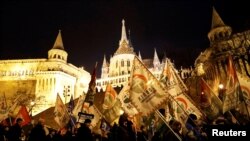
x,y
156,58
58,43
216,20
104,64
139,56
124,35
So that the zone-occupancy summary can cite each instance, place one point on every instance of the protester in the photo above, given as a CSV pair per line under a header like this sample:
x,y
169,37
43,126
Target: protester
x,y
16,132
84,132
38,133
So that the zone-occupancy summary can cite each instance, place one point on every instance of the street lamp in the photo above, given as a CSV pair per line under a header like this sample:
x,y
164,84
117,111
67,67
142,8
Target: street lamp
x,y
221,91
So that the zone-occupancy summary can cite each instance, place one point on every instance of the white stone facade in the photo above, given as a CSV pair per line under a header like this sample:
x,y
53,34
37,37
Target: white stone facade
x,y
40,80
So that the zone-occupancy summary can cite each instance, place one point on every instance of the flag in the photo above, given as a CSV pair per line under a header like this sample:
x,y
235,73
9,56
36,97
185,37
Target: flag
x,y
209,102
113,113
245,88
126,104
244,85
61,113
232,94
3,108
97,115
171,80
146,92
23,114
183,106
92,88
79,105
109,98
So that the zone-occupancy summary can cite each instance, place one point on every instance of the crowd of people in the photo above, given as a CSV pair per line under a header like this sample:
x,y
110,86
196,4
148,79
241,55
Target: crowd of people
x,y
193,130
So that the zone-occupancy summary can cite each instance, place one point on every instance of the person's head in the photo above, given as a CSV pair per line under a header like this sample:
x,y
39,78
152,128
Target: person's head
x,y
87,122
123,120
192,118
19,121
41,121
176,126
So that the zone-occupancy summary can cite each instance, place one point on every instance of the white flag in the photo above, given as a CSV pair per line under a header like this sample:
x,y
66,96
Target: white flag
x,y
171,80
126,102
61,113
79,106
146,92
183,107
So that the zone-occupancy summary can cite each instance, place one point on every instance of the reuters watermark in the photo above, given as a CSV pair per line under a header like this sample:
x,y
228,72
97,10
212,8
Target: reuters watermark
x,y
221,131
217,132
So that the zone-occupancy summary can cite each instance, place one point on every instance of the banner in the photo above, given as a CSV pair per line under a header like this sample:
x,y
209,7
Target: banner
x,y
209,102
245,88
184,106
171,80
232,92
61,113
113,113
78,106
127,106
109,98
97,116
146,92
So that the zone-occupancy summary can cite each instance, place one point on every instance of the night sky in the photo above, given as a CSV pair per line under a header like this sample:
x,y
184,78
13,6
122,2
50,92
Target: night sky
x,y
90,29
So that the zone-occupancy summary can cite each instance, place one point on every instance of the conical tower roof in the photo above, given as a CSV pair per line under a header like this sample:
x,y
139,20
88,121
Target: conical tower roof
x,y
58,43
216,20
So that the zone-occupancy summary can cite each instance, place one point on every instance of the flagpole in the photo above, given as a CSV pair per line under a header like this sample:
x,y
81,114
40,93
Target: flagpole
x,y
164,120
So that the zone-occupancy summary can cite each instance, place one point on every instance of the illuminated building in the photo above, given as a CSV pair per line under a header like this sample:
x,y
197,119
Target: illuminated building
x,y
39,80
117,70
212,63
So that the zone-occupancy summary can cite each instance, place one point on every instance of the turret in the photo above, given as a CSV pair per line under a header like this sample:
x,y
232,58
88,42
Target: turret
x,y
219,31
57,52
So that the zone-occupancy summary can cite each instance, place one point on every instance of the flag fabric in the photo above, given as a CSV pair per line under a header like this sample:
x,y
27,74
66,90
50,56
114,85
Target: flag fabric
x,y
209,102
92,88
97,115
171,80
23,114
62,116
126,104
146,92
183,106
231,97
3,108
14,108
245,88
244,85
109,98
113,113
79,105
